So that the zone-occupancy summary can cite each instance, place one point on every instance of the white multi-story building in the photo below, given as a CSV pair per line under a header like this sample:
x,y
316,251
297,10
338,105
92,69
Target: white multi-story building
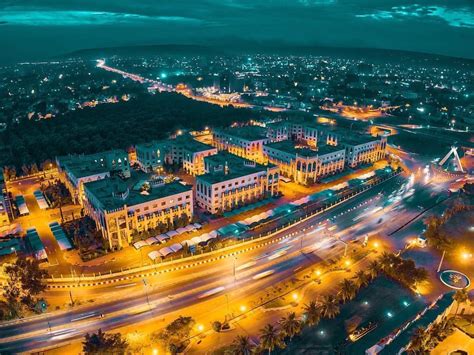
x,y
231,182
245,142
304,165
75,170
190,154
364,149
121,207
360,148
150,157
277,131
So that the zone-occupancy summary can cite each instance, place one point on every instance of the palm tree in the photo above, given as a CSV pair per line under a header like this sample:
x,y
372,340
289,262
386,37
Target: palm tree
x,y
348,290
270,338
242,346
373,269
330,307
418,341
290,325
385,261
362,278
312,313
460,296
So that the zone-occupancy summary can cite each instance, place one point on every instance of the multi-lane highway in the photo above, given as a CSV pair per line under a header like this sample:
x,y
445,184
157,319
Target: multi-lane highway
x,y
131,302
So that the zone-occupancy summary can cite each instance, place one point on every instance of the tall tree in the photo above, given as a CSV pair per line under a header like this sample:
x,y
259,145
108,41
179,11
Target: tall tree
x,y
102,343
373,269
362,278
348,290
460,296
290,325
418,342
25,280
270,338
242,346
312,313
330,307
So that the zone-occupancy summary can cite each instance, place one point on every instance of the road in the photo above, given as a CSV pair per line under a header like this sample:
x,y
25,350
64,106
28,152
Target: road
x,y
183,288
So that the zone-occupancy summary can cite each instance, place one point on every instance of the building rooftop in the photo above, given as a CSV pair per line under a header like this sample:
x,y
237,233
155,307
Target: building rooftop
x,y
113,193
356,139
247,132
80,165
149,145
225,166
290,148
192,145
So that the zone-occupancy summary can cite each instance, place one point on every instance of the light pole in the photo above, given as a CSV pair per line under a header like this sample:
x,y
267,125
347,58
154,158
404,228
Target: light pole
x,y
441,261
146,293
234,259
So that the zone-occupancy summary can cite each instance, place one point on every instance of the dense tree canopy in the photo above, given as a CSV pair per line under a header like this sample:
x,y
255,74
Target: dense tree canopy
x,y
109,126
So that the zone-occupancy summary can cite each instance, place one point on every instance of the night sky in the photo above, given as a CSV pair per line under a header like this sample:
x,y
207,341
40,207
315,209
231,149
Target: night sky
x,y
37,29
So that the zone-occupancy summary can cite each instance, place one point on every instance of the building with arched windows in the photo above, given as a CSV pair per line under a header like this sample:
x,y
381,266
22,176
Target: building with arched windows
x,y
77,169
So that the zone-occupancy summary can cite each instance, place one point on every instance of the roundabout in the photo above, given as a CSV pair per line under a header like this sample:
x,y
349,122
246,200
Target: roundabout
x,y
455,279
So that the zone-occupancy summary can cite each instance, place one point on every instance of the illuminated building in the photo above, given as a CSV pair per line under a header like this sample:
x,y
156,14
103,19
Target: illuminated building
x,y
364,149
123,207
75,170
184,151
150,156
277,132
360,148
231,182
246,142
304,165
189,153
296,130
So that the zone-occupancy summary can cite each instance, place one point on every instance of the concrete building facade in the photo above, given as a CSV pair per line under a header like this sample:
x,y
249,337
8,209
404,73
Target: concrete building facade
x,y
231,182
123,207
245,142
304,165
75,170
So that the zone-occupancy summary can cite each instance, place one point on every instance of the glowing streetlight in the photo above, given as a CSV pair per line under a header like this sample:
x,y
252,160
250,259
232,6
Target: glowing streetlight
x,y
200,327
466,255
243,308
347,262
295,296
318,272
155,351
376,245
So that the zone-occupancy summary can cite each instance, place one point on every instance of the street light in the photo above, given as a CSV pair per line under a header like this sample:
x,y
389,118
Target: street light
x,y
200,327
295,296
233,267
243,308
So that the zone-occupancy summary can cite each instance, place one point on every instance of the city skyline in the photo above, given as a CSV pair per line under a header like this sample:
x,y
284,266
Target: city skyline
x,y
44,29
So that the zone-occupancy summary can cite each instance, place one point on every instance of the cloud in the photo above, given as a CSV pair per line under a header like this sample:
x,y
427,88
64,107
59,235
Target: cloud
x,y
456,17
80,18
316,2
